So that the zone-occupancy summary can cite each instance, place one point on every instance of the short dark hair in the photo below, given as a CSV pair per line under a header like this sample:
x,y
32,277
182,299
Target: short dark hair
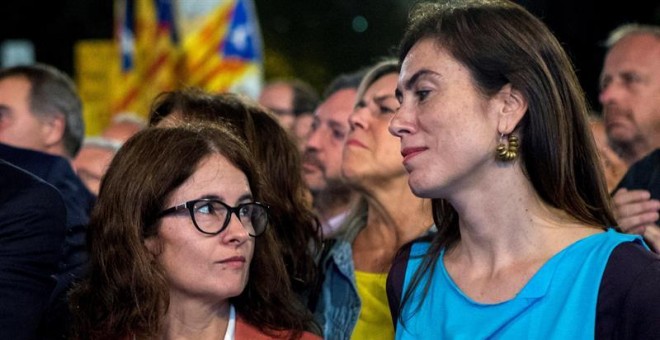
x,y
344,81
53,93
305,97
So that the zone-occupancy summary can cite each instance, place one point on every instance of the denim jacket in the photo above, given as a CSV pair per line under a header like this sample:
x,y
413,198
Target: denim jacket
x,y
338,306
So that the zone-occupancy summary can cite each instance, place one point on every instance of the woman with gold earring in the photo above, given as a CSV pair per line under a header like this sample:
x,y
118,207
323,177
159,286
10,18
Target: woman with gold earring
x,y
508,152
493,127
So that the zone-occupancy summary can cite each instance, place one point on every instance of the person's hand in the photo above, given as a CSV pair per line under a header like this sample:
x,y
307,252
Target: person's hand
x,y
652,238
636,213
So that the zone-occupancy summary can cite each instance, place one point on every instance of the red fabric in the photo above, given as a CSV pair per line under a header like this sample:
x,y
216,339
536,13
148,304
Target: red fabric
x,y
246,331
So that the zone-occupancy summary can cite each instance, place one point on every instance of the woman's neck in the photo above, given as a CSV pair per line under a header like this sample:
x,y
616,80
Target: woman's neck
x,y
192,319
507,233
508,221
395,217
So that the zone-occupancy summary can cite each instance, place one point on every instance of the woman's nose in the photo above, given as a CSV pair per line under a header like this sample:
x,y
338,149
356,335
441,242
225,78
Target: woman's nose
x,y
402,123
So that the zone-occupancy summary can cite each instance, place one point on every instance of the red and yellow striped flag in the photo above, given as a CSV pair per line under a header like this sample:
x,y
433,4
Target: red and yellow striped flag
x,y
221,47
167,44
146,36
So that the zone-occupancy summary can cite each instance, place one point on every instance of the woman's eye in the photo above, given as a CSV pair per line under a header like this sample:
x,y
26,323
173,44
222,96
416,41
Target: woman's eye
x,y
422,94
206,209
387,110
245,210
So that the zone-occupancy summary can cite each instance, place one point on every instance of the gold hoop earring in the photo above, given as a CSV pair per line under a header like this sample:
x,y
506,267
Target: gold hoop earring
x,y
507,152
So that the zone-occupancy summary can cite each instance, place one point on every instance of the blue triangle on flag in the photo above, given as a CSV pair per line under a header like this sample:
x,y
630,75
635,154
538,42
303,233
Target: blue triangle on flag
x,y
242,39
127,37
165,17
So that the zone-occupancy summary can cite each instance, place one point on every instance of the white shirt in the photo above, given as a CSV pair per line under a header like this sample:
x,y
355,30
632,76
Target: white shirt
x,y
331,226
231,326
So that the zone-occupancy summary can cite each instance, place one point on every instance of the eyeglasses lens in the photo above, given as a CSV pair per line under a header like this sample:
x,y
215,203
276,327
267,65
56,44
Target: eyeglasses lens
x,y
211,216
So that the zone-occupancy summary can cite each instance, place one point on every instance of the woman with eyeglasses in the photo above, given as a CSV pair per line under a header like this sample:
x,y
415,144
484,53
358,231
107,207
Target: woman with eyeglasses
x,y
180,246
275,153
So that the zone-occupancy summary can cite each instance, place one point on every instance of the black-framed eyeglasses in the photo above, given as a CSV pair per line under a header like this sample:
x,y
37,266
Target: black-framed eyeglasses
x,y
212,216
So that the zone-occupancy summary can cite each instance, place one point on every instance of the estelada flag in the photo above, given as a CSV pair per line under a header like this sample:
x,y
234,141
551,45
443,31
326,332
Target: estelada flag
x,y
147,41
221,46
169,44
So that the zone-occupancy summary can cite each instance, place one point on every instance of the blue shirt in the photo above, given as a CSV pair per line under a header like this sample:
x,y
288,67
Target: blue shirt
x,y
558,302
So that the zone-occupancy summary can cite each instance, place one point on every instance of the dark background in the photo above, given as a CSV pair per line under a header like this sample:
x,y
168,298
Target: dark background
x,y
315,39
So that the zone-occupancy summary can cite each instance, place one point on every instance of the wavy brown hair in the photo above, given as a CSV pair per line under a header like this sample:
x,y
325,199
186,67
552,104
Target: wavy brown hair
x,y
292,217
501,43
125,293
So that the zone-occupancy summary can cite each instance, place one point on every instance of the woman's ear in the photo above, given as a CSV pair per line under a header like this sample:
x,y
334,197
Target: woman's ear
x,y
512,110
153,245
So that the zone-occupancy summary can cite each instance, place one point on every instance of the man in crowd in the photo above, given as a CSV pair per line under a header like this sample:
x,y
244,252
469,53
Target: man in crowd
x,y
630,95
41,131
96,153
288,99
323,153
93,160
32,227
40,110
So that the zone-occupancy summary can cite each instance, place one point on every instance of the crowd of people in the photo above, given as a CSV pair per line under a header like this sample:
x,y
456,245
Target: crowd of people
x,y
462,190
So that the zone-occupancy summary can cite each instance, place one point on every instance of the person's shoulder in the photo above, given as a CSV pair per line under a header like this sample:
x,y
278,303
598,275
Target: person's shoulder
x,y
628,297
245,330
13,178
17,183
36,162
648,163
653,157
632,270
643,173
55,170
630,258
397,272
336,255
32,212
309,336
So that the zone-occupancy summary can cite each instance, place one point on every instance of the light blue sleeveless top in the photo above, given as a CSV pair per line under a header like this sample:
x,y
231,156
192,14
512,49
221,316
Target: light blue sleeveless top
x,y
558,302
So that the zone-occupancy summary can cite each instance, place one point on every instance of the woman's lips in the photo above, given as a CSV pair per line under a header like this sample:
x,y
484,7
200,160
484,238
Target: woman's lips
x,y
233,262
355,142
411,152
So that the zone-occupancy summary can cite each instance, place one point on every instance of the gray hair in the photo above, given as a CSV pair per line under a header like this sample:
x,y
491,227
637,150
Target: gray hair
x,y
379,70
53,93
102,143
631,29
130,117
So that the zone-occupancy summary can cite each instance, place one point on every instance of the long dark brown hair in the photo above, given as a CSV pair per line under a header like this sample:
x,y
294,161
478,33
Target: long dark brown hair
x,y
126,293
502,43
